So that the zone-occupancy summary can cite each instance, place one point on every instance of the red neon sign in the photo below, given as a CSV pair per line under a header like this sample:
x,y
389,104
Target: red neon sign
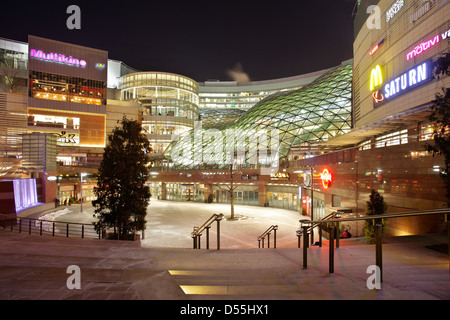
x,y
375,49
378,96
326,178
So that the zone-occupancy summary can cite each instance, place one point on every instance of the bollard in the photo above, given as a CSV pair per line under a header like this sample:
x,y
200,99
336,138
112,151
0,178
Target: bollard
x,y
67,231
53,229
82,232
305,247
378,249
40,229
331,256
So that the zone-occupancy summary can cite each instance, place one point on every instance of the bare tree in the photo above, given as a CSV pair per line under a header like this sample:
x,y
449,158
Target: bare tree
x,y
230,188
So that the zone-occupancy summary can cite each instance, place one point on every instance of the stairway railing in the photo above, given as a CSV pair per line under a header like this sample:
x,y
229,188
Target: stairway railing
x,y
265,234
197,232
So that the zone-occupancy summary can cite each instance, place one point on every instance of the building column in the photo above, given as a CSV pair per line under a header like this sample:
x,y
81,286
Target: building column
x,y
163,191
262,195
206,192
49,187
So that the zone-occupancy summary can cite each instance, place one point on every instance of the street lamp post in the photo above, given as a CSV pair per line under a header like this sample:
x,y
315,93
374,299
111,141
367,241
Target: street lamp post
x,y
81,190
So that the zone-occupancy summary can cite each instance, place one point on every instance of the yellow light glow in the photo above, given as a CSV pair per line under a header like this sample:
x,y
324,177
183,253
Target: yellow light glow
x,y
376,78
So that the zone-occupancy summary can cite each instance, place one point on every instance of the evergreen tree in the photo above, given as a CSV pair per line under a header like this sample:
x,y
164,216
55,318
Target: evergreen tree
x,y
440,117
122,194
375,206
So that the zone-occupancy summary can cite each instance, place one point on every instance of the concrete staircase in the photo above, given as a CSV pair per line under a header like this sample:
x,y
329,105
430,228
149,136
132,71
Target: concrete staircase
x,y
35,267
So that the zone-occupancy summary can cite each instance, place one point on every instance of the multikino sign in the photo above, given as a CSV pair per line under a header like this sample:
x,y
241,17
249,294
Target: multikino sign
x,y
57,58
412,78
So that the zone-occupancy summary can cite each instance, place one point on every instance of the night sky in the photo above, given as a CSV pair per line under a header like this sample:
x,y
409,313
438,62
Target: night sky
x,y
199,39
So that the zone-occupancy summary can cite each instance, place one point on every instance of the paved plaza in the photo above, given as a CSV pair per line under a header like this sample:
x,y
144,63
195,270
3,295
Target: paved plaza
x,y
164,266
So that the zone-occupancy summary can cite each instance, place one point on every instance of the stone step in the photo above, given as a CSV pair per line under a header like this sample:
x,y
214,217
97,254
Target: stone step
x,y
243,283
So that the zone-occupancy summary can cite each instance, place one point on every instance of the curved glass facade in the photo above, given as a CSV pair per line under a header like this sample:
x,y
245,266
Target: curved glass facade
x,y
169,105
305,117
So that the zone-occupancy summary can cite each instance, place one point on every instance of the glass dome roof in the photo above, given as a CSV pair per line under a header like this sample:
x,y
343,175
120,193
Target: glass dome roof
x,y
305,117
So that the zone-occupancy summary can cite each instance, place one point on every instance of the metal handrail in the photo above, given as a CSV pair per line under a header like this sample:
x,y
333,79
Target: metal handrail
x,y
197,233
389,215
48,227
314,224
378,233
262,237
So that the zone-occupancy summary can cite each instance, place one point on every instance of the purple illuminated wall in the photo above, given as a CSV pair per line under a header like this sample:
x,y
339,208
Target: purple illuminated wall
x,y
25,194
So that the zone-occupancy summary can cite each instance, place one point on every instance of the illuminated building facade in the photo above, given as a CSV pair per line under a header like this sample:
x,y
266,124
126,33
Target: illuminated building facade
x,y
169,106
341,132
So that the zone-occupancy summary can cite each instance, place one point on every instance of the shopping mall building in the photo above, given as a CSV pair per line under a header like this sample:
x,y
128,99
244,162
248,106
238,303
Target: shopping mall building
x,y
311,143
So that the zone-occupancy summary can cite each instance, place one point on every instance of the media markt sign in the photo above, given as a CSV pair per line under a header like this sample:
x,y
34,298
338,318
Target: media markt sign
x,y
411,79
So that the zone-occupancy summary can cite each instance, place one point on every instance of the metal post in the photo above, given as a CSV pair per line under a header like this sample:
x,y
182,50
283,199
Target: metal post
x,y
199,241
338,233
82,232
194,246
53,230
20,225
320,235
305,247
29,226
379,252
275,238
40,229
207,238
262,242
331,255
259,243
218,234
67,230
268,240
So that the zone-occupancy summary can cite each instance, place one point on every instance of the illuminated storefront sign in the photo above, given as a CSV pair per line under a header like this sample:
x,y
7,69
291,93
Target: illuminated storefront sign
x,y
416,76
279,176
100,66
394,9
57,58
376,78
326,178
424,46
375,49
